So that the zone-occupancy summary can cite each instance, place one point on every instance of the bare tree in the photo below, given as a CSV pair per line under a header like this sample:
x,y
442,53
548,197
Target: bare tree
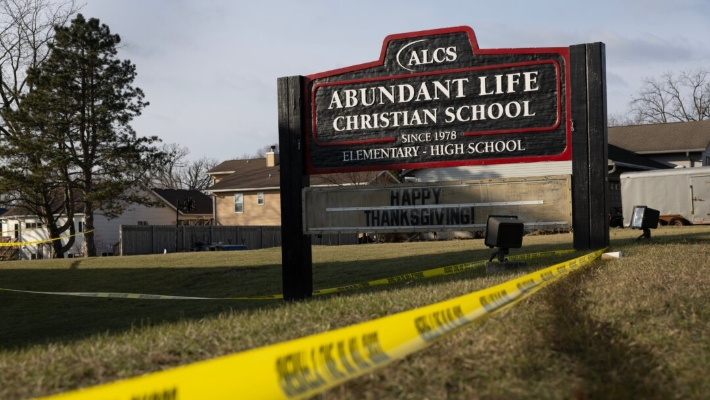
x,y
673,98
619,119
166,176
180,173
265,149
194,175
260,152
26,181
26,30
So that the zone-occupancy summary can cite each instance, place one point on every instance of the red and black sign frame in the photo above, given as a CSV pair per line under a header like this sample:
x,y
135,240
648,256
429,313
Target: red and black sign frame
x,y
322,156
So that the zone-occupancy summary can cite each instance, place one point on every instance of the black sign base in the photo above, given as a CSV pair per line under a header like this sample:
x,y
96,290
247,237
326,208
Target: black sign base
x,y
590,182
296,256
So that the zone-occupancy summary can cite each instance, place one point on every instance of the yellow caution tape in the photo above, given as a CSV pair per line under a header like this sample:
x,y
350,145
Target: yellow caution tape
x,y
430,273
116,295
303,367
449,270
540,254
16,244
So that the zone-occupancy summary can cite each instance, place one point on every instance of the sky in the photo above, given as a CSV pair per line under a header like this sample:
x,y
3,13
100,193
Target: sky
x,y
209,67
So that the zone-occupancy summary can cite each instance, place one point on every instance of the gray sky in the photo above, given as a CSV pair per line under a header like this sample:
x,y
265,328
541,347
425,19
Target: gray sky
x,y
209,67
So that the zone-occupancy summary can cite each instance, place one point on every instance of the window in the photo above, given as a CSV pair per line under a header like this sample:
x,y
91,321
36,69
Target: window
x,y
239,203
33,225
142,223
260,198
80,226
17,231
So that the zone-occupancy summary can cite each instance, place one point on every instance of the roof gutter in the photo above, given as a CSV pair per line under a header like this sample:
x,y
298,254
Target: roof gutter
x,y
623,164
669,151
17,216
242,190
220,172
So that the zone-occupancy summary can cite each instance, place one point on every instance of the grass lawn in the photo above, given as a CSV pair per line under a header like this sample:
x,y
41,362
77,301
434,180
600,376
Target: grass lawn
x,y
630,328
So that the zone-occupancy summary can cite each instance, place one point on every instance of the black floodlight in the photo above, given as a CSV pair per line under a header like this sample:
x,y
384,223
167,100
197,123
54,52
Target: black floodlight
x,y
504,232
645,218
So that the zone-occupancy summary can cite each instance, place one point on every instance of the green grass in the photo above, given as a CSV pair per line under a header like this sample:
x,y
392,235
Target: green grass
x,y
630,328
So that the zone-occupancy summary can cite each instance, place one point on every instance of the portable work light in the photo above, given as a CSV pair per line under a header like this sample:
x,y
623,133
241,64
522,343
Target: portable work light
x,y
645,218
504,232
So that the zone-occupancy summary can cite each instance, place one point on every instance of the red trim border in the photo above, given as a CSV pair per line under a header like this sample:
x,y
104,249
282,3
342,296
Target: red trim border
x,y
452,71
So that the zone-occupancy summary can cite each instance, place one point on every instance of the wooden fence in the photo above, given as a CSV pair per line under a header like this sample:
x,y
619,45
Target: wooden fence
x,y
155,239
8,252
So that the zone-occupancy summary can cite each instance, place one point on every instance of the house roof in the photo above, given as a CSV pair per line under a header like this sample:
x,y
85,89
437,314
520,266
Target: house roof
x,y
246,174
253,174
22,212
18,211
620,155
12,212
203,203
674,137
228,166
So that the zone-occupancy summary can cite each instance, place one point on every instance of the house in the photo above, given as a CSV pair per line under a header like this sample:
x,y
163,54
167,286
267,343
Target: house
x,y
247,192
6,252
620,160
24,227
2,211
678,144
199,210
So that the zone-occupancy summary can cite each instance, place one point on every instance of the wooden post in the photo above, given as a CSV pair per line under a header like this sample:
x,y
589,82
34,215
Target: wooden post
x,y
296,256
590,182
177,222
152,239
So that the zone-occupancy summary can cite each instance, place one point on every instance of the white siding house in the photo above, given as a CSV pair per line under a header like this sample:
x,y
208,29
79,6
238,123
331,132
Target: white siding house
x,y
28,228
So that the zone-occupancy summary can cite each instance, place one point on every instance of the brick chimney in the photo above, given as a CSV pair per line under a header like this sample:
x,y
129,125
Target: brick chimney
x,y
272,159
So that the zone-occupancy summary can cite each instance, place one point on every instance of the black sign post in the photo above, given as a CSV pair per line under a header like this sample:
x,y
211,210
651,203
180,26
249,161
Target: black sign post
x,y
435,99
590,181
296,256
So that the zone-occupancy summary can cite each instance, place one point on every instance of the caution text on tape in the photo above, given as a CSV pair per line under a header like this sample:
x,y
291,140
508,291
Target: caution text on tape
x,y
303,367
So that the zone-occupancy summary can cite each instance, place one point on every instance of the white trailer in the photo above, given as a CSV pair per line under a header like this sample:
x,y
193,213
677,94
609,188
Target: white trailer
x,y
681,195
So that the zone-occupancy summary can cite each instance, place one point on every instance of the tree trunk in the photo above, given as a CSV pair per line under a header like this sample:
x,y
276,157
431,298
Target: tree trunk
x,y
57,249
89,230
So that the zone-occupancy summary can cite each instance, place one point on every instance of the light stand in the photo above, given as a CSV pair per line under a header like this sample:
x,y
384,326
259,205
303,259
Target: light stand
x,y
503,232
644,218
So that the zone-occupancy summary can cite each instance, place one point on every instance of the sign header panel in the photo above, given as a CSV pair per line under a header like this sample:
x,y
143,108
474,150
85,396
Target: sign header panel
x,y
434,99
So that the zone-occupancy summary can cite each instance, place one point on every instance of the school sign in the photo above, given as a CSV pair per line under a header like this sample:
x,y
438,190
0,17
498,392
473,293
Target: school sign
x,y
435,99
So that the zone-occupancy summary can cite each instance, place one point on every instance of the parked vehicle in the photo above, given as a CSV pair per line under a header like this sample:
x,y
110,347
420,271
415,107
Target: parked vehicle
x,y
681,195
